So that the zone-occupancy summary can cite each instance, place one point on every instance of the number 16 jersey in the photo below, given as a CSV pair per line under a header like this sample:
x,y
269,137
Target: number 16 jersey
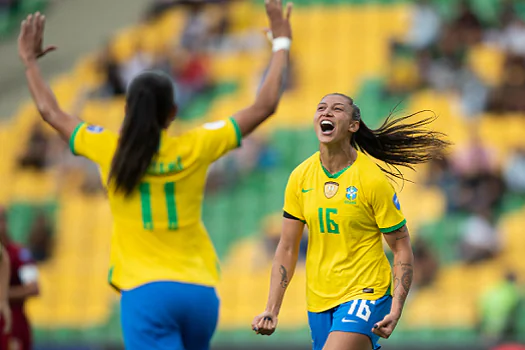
x,y
158,234
346,213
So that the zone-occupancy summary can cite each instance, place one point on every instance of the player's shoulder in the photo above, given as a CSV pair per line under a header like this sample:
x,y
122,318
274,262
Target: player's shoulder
x,y
370,170
94,134
306,166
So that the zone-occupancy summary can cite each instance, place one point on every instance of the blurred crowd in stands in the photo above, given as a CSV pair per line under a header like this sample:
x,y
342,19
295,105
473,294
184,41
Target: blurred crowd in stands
x,y
9,5
434,55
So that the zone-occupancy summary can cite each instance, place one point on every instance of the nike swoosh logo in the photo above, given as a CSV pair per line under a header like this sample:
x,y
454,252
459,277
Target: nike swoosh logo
x,y
351,321
308,190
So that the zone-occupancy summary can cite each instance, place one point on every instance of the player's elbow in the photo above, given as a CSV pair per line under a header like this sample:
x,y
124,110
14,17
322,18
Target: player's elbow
x,y
47,111
265,109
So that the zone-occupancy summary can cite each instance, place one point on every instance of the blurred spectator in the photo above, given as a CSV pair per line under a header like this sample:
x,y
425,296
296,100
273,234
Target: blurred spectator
x,y
255,154
113,84
480,239
513,36
272,233
514,171
40,238
36,152
140,61
195,33
498,310
474,158
23,285
190,70
467,25
509,347
9,5
508,96
426,262
441,175
424,27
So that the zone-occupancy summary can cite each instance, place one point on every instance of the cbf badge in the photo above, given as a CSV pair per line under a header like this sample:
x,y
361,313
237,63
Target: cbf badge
x,y
330,189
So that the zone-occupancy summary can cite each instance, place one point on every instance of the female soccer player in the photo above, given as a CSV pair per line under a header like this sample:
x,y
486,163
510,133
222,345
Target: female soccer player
x,y
347,203
162,259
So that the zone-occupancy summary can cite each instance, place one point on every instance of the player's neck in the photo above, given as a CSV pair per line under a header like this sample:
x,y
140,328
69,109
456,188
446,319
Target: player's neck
x,y
335,158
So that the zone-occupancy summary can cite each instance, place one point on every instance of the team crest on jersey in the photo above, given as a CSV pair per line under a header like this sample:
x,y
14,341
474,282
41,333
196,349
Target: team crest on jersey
x,y
95,129
351,195
330,189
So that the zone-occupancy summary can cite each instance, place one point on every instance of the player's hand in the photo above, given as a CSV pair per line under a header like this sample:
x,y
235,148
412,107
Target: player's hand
x,y
265,323
385,327
30,40
279,24
5,314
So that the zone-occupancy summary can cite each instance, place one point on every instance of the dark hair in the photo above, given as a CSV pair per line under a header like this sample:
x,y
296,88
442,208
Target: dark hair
x,y
149,105
398,142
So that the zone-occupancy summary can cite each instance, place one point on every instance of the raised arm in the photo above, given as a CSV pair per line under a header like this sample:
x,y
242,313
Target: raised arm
x,y
270,93
282,272
29,50
399,243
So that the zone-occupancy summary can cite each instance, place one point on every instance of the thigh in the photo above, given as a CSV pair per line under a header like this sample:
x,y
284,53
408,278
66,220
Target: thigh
x,y
347,341
146,321
200,318
359,317
320,325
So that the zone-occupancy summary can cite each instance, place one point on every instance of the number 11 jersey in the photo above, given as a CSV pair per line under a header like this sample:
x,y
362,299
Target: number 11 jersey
x,y
158,234
346,214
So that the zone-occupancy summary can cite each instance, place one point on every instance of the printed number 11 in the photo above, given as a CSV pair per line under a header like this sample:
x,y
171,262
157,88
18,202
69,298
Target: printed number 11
x,y
171,207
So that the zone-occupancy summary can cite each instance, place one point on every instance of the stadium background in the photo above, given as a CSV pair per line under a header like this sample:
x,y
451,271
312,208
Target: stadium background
x,y
466,213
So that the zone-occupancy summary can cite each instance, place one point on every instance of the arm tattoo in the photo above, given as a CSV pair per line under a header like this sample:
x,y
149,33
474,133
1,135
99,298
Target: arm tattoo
x,y
400,238
284,276
405,282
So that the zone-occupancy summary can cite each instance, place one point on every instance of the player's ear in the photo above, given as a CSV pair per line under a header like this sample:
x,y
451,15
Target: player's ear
x,y
354,126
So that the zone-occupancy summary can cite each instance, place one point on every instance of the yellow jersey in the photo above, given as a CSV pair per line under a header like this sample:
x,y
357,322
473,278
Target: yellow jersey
x,y
346,213
158,234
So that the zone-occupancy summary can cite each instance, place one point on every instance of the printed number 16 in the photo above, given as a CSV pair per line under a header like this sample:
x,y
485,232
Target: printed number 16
x,y
331,225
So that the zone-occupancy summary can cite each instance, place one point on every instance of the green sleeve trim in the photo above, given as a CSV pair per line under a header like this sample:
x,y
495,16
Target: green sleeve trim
x,y
393,228
238,132
72,138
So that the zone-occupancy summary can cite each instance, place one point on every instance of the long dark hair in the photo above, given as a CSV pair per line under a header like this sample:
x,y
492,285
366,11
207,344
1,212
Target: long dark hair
x,y
398,142
149,105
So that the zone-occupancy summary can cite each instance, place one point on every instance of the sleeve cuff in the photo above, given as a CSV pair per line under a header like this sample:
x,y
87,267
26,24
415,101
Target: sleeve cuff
x,y
72,138
292,217
238,133
393,228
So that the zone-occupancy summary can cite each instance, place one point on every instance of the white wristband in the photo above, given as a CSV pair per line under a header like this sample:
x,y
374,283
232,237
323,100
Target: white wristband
x,y
281,43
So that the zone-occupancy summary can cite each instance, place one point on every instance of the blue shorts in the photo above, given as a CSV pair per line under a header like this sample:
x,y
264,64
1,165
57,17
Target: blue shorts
x,y
355,316
169,315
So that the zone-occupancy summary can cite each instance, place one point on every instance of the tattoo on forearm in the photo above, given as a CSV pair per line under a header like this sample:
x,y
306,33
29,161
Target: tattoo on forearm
x,y
403,283
284,276
400,238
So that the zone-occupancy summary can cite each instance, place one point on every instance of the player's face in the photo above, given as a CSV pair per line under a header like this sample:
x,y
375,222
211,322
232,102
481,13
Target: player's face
x,y
333,120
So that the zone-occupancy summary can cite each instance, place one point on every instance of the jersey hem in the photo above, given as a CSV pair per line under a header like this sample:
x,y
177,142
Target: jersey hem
x,y
121,289
72,138
346,300
393,228
238,132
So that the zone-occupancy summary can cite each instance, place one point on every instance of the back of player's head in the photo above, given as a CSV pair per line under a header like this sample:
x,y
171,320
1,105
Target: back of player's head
x,y
150,108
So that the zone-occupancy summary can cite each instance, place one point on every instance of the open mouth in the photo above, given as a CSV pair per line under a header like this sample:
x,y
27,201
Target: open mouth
x,y
327,127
